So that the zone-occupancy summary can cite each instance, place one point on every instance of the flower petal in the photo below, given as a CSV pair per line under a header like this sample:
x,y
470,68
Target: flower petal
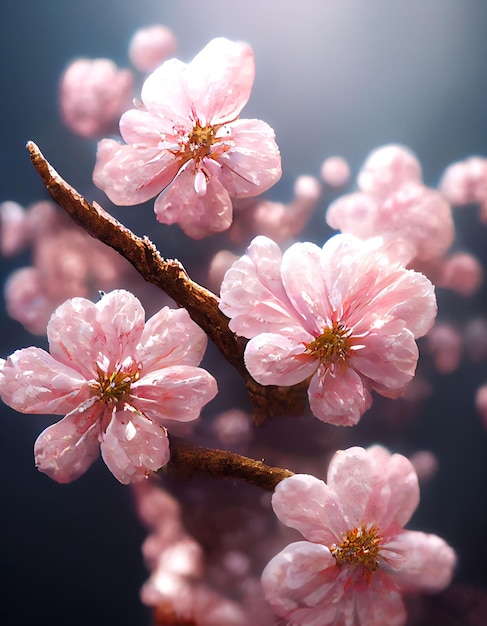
x,y
133,174
165,93
170,337
338,396
219,80
133,445
273,359
299,501
174,393
429,562
198,216
33,381
252,164
65,450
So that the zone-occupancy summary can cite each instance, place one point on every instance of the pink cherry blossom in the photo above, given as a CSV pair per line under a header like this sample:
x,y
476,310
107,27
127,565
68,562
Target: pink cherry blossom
x,y
393,202
119,382
357,559
335,172
445,345
187,128
465,182
93,94
345,315
150,46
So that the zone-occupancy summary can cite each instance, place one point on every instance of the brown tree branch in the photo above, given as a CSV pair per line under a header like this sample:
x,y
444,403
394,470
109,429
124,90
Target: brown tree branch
x,y
171,277
188,459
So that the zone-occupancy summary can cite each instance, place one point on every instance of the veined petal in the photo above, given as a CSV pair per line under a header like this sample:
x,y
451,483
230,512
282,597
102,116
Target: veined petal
x,y
198,216
33,381
144,128
273,359
338,396
133,174
170,337
65,450
174,393
165,94
299,502
219,80
428,565
133,445
253,162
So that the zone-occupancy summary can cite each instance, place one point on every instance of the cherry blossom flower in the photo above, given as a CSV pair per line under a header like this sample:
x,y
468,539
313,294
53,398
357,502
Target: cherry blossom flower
x,y
150,46
118,380
393,202
346,315
187,129
93,94
465,182
357,559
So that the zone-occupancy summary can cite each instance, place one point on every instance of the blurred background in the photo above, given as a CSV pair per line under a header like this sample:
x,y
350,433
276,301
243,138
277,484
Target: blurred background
x,y
333,77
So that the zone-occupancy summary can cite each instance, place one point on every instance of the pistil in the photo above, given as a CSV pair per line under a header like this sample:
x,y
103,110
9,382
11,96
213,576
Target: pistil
x,y
359,549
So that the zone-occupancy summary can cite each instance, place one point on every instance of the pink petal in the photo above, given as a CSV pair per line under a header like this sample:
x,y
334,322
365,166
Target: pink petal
x,y
338,396
150,46
133,445
198,216
352,474
388,168
253,163
302,276
165,94
170,337
252,293
173,393
64,451
121,320
395,497
299,502
144,128
273,359
429,562
301,570
133,174
34,382
219,80
388,358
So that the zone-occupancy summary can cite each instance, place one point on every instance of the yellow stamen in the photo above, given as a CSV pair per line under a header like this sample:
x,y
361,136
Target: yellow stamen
x,y
115,386
332,346
359,549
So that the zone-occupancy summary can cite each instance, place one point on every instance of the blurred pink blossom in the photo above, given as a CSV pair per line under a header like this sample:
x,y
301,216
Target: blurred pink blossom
x,y
93,94
476,339
465,182
357,559
445,344
67,262
187,129
425,464
345,315
335,172
276,220
118,379
14,234
393,202
461,272
481,403
150,46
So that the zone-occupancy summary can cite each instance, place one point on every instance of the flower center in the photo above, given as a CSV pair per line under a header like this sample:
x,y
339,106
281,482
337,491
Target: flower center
x,y
114,387
332,346
359,549
199,143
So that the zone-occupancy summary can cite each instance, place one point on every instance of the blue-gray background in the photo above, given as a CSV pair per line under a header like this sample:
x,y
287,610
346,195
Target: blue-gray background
x,y
333,77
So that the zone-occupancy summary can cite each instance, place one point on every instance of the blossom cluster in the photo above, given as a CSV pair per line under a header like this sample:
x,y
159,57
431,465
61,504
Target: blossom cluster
x,y
340,318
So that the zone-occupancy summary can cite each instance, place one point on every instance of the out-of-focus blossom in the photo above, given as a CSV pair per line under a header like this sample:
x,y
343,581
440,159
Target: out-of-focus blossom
x,y
93,94
357,559
14,233
393,202
425,465
476,339
117,379
335,172
219,264
281,222
445,345
188,129
460,272
465,182
150,46
345,315
67,262
233,428
481,403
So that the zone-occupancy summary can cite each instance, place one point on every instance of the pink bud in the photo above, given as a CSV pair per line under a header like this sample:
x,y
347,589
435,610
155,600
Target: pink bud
x,y
150,46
